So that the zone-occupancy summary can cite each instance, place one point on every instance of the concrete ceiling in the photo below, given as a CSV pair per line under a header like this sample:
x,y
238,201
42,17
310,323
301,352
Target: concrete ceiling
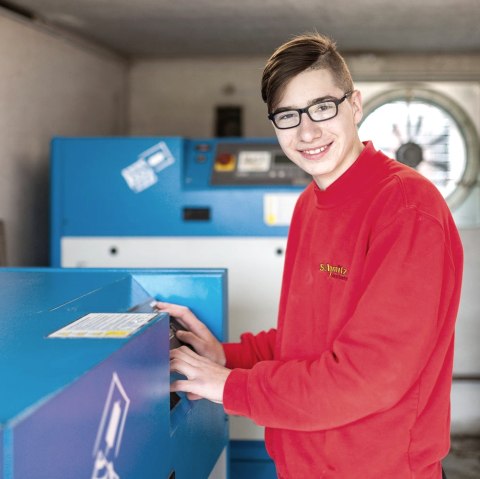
x,y
162,28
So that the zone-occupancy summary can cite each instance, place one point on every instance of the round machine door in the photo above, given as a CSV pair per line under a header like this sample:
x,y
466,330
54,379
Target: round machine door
x,y
428,131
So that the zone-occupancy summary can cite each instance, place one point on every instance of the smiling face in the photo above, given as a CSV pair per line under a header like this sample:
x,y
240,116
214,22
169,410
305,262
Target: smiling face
x,y
326,149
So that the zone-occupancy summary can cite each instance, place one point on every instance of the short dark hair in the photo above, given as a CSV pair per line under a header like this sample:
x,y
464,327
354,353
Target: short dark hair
x,y
309,50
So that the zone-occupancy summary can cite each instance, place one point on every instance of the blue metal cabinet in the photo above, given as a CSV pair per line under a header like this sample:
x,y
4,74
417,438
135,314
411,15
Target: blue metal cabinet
x,y
100,407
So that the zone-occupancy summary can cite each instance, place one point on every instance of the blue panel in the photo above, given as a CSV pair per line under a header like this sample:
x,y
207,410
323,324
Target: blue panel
x,y
2,439
96,166
45,291
206,297
72,406
42,365
73,419
249,460
202,430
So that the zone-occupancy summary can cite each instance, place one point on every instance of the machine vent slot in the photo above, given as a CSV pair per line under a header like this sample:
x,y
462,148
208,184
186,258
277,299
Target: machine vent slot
x,y
196,214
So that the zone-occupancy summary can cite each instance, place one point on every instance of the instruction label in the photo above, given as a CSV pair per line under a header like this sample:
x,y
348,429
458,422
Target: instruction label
x,y
104,325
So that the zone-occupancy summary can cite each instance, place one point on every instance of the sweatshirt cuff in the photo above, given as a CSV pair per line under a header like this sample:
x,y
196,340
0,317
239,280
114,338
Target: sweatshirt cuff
x,y
235,398
232,354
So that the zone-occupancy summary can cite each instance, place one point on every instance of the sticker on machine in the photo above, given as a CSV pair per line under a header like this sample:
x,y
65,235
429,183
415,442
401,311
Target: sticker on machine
x,y
143,173
278,208
139,176
104,325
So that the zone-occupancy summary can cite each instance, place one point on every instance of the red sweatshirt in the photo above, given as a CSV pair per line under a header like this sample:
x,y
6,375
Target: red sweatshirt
x,y
355,381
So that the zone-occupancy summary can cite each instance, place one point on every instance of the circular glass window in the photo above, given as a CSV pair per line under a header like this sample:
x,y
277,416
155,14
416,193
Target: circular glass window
x,y
427,131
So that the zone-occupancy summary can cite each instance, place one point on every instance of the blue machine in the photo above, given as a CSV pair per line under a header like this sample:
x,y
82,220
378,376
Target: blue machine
x,y
176,202
150,187
85,376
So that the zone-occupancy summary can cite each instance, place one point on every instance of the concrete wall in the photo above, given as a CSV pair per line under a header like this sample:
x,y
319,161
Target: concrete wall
x,y
49,86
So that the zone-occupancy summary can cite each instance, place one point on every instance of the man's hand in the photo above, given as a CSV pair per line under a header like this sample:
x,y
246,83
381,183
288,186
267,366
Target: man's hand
x,y
198,335
205,378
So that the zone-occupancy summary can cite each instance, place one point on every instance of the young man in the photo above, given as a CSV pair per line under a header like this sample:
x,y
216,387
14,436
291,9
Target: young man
x,y
355,380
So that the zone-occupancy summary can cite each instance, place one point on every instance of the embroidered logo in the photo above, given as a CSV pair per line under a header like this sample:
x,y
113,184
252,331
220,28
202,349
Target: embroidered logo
x,y
337,272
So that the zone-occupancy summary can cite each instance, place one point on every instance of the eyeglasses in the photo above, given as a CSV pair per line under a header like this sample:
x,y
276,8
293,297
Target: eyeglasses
x,y
320,111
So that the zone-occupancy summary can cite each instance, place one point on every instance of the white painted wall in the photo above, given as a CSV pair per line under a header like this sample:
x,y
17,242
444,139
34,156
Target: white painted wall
x,y
49,86
178,97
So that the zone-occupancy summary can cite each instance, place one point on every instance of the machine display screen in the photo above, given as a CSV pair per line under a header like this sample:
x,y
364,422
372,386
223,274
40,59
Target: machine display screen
x,y
254,161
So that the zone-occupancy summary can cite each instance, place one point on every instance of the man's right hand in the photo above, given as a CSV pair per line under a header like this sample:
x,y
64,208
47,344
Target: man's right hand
x,y
198,335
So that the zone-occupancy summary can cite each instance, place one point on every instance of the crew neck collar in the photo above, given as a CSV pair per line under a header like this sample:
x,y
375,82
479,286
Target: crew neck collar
x,y
359,176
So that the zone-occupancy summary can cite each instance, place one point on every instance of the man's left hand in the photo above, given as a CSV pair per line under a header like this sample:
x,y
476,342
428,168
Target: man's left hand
x,y
205,378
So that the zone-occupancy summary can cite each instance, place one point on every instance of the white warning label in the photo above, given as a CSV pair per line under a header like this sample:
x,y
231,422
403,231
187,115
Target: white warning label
x,y
278,208
104,325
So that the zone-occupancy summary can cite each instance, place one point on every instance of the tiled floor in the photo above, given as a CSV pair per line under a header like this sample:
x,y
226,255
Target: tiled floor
x,y
463,462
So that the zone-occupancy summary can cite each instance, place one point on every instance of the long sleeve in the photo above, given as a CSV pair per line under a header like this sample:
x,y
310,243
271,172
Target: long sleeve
x,y
406,289
250,350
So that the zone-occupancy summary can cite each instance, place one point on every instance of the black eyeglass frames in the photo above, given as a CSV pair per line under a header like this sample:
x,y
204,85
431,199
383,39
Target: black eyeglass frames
x,y
319,111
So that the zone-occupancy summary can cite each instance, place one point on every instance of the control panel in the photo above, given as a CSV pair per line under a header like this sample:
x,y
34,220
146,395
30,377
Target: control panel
x,y
248,163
